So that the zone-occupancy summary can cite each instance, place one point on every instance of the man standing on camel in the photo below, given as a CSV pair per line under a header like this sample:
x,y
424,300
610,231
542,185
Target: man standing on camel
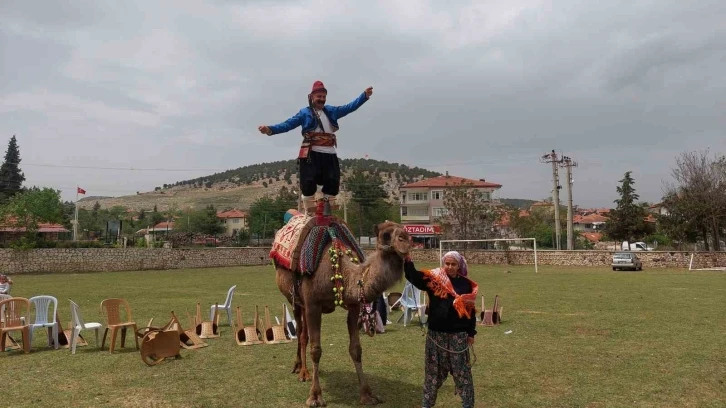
x,y
318,159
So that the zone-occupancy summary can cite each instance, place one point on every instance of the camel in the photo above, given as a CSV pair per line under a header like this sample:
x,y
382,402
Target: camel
x,y
314,296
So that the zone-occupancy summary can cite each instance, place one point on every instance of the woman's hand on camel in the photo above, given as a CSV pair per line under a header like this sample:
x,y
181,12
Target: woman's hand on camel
x,y
369,91
265,130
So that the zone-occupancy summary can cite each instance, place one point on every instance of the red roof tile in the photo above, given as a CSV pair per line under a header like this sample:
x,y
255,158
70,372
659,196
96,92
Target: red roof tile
x,y
504,220
164,225
592,236
235,213
10,223
590,219
449,181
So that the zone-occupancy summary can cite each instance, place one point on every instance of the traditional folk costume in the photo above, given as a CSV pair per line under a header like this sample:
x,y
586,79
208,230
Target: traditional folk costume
x,y
452,318
318,159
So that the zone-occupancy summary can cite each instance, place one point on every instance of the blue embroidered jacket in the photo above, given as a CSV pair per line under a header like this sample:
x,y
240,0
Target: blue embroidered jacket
x,y
306,119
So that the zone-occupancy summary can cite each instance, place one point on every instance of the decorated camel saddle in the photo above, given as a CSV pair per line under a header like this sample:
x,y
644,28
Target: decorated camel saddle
x,y
300,244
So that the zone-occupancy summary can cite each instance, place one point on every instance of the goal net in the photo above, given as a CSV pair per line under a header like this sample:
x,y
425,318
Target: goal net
x,y
706,261
493,251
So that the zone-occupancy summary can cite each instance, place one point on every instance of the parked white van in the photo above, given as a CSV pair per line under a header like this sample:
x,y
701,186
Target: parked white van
x,y
635,246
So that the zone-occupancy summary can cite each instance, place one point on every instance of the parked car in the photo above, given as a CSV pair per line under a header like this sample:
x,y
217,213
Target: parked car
x,y
627,260
635,246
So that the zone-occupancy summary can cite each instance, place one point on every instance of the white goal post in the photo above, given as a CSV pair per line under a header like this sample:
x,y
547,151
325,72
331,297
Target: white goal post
x,y
494,240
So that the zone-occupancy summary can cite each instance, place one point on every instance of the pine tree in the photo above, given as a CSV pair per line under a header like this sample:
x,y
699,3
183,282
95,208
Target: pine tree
x,y
627,220
11,178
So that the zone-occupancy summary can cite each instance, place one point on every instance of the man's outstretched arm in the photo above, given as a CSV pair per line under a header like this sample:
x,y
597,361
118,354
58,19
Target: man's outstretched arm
x,y
341,111
283,127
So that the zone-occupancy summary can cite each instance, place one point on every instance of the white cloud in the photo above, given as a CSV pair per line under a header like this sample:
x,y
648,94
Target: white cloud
x,y
490,84
69,109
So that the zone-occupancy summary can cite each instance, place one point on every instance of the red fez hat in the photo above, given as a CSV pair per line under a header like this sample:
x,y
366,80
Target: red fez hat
x,y
317,87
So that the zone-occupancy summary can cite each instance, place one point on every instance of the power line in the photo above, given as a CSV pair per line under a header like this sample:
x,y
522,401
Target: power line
x,y
116,168
162,169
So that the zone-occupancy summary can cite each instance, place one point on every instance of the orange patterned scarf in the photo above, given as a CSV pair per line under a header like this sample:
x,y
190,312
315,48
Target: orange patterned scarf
x,y
441,286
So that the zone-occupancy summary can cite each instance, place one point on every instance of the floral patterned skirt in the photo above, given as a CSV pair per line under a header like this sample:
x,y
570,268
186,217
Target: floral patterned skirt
x,y
447,353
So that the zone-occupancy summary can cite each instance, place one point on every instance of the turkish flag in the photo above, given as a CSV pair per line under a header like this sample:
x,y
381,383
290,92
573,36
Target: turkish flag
x,y
81,191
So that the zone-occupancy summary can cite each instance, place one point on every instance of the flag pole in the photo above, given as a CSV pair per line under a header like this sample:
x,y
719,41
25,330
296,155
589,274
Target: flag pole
x,y
75,222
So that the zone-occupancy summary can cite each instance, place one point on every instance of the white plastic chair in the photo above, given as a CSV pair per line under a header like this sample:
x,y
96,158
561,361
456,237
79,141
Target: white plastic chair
x,y
226,306
77,324
42,307
411,303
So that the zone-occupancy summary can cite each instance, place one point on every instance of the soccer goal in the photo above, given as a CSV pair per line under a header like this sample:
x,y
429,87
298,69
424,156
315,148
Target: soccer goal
x,y
470,247
705,262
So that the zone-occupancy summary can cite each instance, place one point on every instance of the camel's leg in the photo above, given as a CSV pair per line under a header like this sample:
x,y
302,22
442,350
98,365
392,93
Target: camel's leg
x,y
313,318
356,353
302,345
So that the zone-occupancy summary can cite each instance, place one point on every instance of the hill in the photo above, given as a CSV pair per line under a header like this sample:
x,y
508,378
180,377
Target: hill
x,y
242,186
520,203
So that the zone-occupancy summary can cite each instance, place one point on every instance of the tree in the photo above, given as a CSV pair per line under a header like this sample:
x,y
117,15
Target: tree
x,y
286,199
627,220
368,196
203,221
156,217
538,224
11,178
32,207
69,213
698,196
264,217
468,215
679,224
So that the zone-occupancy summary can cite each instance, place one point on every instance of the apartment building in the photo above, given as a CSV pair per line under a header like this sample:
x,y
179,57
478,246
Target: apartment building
x,y
422,202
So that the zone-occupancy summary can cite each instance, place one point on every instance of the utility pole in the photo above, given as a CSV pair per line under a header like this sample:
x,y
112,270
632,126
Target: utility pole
x,y
568,164
552,158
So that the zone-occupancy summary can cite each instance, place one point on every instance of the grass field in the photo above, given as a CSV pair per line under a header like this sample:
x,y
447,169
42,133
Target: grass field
x,y
580,338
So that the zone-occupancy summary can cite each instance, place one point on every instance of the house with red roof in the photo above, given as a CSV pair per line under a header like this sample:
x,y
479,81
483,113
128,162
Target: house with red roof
x,y
422,202
589,223
234,221
10,231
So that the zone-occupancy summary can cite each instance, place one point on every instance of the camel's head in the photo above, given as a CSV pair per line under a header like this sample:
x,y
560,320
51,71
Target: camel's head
x,y
392,237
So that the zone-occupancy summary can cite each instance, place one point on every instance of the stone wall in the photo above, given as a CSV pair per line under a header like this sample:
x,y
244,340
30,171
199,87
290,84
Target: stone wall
x,y
651,259
58,260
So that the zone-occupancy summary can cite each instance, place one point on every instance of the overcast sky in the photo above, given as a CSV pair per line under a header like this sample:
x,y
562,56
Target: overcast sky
x,y
479,88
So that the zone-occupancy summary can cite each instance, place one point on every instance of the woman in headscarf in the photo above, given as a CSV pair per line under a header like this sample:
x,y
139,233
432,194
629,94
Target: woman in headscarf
x,y
451,325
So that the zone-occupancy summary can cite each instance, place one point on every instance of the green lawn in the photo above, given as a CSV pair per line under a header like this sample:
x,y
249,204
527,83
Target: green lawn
x,y
580,338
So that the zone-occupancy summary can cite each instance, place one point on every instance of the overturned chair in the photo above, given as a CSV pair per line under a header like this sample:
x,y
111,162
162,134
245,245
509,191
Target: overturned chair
x,y
188,338
248,335
207,329
276,334
159,343
491,317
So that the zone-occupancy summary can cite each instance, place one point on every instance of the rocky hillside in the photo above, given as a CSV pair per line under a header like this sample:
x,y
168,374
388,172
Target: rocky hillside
x,y
242,186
